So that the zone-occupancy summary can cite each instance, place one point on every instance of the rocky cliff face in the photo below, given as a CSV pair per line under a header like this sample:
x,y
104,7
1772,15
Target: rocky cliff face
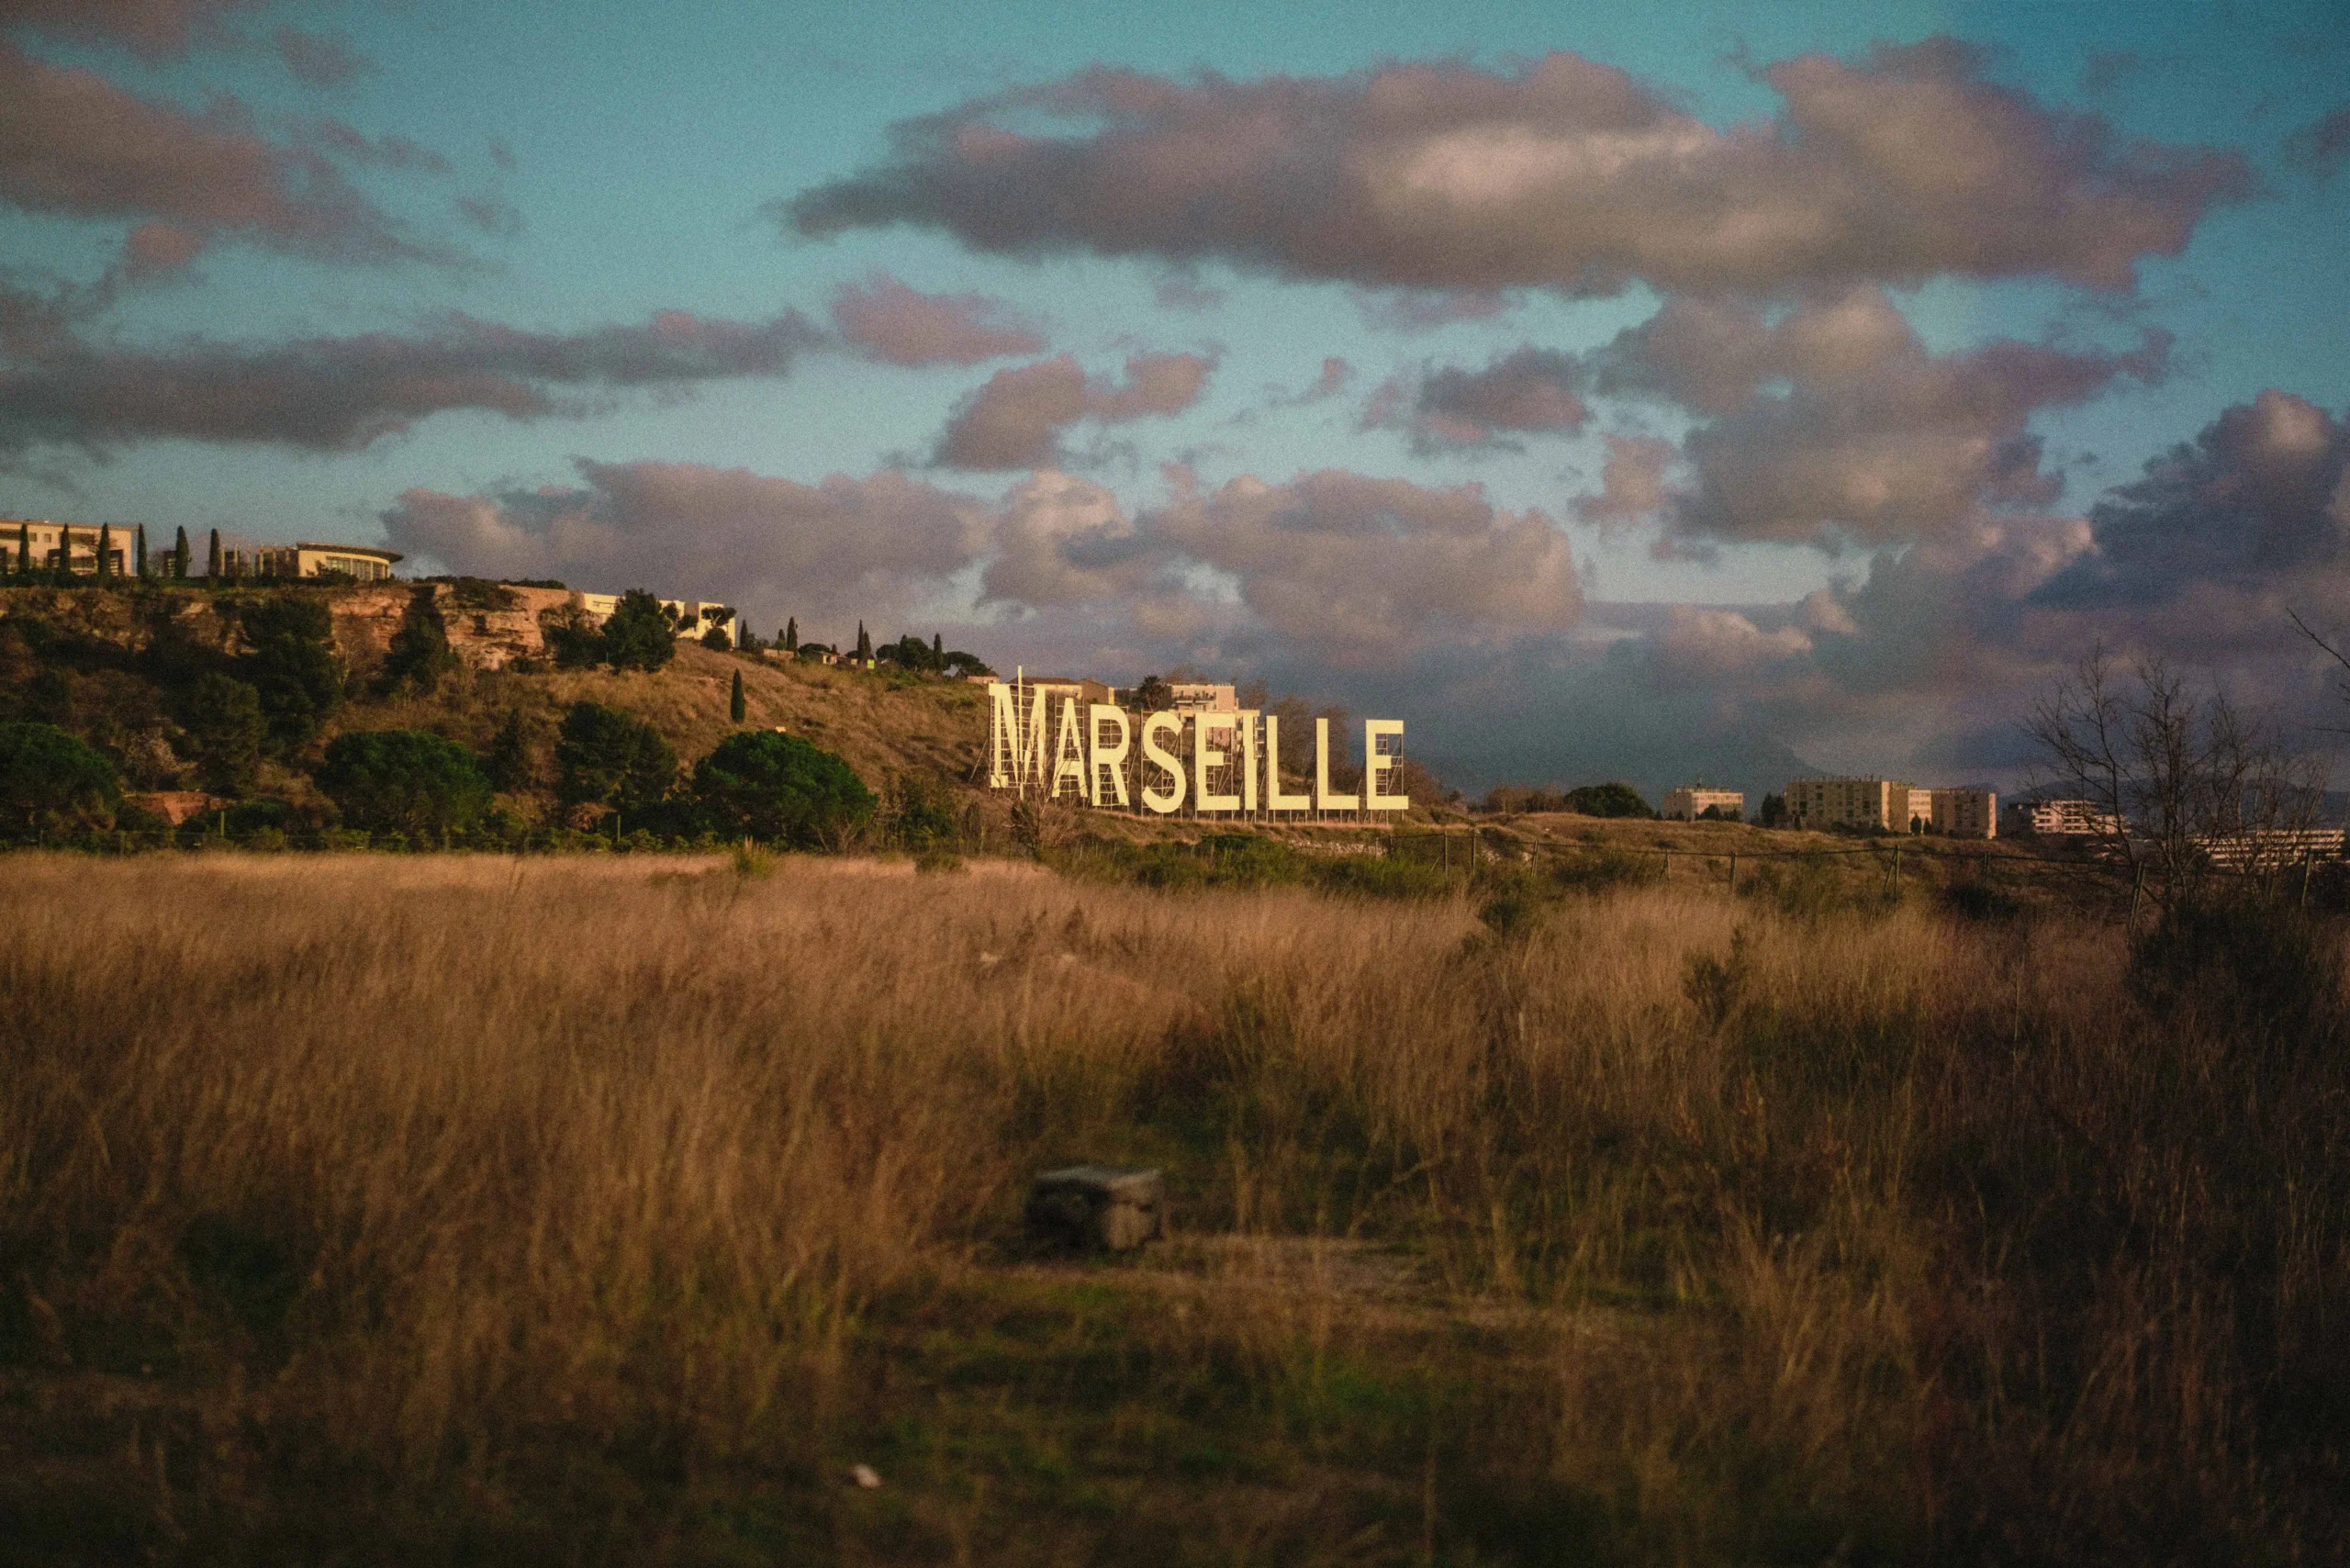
x,y
490,625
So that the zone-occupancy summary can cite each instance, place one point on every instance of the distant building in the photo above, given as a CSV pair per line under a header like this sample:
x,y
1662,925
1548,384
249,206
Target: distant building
x,y
1202,697
1691,801
1960,813
1866,802
362,563
693,617
43,541
2270,849
2064,819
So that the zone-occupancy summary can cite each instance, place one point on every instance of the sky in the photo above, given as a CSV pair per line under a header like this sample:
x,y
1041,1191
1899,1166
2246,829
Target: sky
x,y
1650,392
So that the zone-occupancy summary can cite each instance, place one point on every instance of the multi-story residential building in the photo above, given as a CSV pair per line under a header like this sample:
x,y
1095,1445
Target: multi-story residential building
x,y
693,617
1691,800
2065,818
1960,813
1866,802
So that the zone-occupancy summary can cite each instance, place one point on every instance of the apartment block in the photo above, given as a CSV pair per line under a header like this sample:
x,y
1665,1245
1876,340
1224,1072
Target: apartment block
x,y
1866,802
2066,818
1961,814
1691,801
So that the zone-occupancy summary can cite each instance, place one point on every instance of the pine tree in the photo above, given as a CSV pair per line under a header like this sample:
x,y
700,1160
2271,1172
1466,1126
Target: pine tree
x,y
141,542
179,555
791,634
734,700
212,558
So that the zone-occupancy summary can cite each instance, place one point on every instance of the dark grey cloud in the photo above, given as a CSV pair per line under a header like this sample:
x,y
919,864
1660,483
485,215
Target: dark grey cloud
x,y
1832,424
1562,173
1529,391
321,59
156,28
2320,146
343,394
769,546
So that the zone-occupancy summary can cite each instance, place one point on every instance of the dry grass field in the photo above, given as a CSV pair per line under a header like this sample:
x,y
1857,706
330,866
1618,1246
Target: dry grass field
x,y
440,1209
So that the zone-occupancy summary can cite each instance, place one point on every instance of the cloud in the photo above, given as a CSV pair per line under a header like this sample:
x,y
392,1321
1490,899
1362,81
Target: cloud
x,y
1562,173
1181,290
1424,310
1528,391
889,322
321,59
1632,484
343,394
2320,146
2262,494
1706,642
491,215
843,547
1365,571
156,28
1336,376
1016,420
71,143
1831,424
1065,541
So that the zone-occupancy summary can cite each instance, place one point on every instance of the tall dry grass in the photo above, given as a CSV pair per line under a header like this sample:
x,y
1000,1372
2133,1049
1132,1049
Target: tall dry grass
x,y
1732,1235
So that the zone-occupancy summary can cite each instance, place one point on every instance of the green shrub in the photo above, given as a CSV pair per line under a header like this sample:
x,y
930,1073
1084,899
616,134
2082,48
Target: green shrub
x,y
420,654
1607,801
404,782
50,782
780,788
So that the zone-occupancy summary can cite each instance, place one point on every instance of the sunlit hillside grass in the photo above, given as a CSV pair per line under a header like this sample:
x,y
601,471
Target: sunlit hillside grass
x,y
440,1208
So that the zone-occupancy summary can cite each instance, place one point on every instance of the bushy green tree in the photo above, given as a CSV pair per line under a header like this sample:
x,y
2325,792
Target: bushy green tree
x,y
572,640
780,788
50,782
403,781
513,763
1610,799
718,640
639,633
222,717
605,757
419,654
291,662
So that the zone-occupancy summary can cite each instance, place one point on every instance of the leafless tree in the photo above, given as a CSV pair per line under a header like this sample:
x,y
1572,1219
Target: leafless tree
x,y
2186,784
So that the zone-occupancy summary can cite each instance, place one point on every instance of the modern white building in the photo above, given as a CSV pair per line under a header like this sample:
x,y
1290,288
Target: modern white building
x,y
361,563
2065,819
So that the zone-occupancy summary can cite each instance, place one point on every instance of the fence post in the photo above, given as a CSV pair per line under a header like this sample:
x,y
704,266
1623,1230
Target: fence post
x,y
2305,857
1733,871
2137,886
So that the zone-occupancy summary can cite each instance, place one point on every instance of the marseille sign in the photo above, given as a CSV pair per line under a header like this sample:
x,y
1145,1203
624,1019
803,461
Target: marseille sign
x,y
1089,749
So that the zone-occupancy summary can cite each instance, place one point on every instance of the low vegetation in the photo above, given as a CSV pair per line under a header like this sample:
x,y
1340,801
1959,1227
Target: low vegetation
x,y
608,1209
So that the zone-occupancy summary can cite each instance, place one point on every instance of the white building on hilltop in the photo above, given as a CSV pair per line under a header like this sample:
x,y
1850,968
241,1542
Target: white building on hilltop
x,y
1692,801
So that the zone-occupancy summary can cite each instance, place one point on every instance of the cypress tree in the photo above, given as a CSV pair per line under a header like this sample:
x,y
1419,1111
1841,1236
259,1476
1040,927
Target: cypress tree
x,y
212,559
938,646
106,547
863,644
140,539
734,700
24,549
791,634
179,554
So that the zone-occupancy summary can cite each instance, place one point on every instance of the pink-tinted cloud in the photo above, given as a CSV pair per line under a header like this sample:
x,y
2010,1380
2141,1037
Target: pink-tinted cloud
x,y
1017,418
1632,485
321,59
72,142
342,394
1832,424
894,324
1563,174
1530,391
844,547
156,28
